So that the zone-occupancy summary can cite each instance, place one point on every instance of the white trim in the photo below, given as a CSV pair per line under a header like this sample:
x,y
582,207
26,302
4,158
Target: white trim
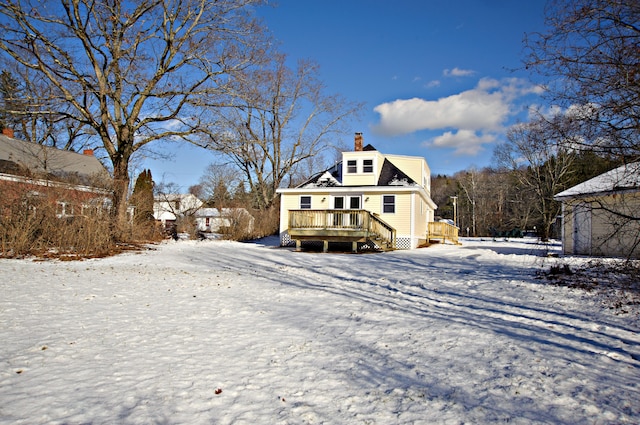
x,y
51,183
563,236
373,165
395,204
412,218
300,201
365,190
346,171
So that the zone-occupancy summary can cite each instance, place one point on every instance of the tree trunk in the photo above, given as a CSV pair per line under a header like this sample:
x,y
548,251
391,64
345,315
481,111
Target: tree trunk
x,y
120,194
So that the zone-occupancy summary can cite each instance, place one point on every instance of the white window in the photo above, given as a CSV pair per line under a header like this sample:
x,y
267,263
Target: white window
x,y
367,166
354,202
305,202
338,203
64,209
352,166
389,204
60,209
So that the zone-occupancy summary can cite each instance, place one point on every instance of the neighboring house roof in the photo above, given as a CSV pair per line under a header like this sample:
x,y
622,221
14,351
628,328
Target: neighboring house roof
x,y
186,201
216,213
623,178
17,154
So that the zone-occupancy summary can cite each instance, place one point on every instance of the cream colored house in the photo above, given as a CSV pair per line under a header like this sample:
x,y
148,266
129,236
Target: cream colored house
x,y
369,199
601,216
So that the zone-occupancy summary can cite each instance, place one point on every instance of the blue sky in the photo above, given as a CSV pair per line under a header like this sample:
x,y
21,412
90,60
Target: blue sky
x,y
440,79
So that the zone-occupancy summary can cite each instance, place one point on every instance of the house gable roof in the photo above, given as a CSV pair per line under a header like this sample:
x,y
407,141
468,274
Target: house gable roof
x,y
369,148
623,178
17,155
390,175
331,177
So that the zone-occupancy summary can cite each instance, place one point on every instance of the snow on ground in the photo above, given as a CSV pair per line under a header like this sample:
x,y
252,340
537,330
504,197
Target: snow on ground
x,y
218,332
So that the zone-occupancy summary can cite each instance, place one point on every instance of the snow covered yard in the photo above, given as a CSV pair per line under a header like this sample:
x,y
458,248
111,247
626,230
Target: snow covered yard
x,y
219,332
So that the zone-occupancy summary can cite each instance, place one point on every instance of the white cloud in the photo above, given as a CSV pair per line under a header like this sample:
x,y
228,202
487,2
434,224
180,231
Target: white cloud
x,y
465,142
475,115
432,83
457,72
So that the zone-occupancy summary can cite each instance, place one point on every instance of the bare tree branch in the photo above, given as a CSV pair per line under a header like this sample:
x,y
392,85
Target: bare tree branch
x,y
282,119
135,72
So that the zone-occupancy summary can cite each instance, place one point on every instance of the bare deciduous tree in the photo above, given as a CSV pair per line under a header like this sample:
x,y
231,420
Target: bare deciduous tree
x,y
538,155
284,118
134,72
218,184
589,62
31,107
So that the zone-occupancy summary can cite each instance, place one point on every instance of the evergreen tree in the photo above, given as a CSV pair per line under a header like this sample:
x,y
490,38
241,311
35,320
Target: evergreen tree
x,y
142,199
221,196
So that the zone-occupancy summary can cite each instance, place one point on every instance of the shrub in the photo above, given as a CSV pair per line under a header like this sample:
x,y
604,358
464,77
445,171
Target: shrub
x,y
34,222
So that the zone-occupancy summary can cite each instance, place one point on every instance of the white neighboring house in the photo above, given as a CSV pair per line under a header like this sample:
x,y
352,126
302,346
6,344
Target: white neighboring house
x,y
211,220
168,208
600,216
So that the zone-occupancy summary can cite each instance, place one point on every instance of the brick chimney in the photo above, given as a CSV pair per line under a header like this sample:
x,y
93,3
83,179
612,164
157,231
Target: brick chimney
x,y
8,132
358,142
88,152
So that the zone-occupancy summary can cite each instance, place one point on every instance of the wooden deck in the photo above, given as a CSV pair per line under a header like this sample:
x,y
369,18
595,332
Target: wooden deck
x,y
340,226
440,231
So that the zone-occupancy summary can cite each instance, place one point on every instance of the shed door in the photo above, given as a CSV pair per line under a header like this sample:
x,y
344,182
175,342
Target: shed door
x,y
582,229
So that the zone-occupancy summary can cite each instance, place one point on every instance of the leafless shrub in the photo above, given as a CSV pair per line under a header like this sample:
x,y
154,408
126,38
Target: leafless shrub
x,y
35,222
238,225
266,222
615,282
186,224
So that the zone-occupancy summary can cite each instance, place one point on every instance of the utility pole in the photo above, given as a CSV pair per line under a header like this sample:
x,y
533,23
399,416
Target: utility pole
x,y
455,210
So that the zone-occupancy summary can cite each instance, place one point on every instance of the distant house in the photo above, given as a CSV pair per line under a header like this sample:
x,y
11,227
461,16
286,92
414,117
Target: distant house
x,y
167,209
368,199
214,220
601,216
76,183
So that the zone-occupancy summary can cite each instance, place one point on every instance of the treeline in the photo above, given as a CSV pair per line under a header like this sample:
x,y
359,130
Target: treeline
x,y
498,201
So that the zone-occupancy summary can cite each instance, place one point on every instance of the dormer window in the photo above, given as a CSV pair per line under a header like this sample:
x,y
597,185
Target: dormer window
x,y
359,166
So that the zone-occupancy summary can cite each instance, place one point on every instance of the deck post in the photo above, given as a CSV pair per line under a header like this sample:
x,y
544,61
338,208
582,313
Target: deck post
x,y
298,245
354,247
325,246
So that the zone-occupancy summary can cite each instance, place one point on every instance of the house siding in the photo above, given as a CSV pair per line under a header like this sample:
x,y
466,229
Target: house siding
x,y
77,200
610,235
416,168
360,178
400,218
420,224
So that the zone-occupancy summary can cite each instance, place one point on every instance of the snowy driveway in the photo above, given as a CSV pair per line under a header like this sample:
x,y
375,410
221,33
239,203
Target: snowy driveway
x,y
230,333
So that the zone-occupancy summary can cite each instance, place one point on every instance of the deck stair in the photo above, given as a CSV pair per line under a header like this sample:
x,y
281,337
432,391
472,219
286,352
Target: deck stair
x,y
441,232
